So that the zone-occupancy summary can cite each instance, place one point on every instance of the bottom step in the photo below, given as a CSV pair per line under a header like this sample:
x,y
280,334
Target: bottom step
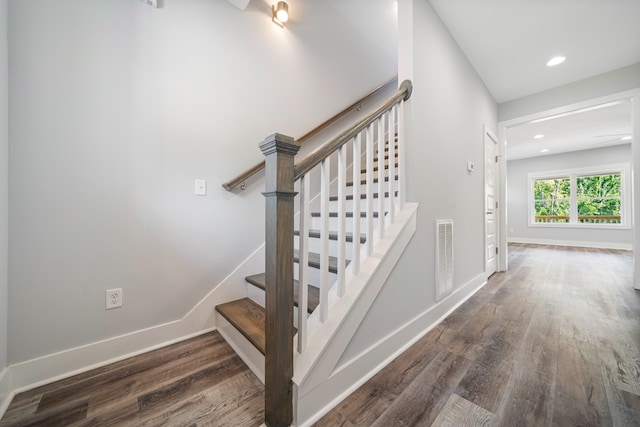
x,y
248,318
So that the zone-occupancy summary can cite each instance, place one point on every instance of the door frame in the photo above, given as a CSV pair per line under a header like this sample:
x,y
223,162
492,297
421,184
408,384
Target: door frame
x,y
489,133
634,96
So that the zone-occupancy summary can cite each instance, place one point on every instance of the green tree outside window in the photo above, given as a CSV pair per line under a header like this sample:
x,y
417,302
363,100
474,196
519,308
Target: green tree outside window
x,y
597,199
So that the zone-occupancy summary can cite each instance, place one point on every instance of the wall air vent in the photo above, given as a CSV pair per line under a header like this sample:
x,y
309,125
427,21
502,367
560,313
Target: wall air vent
x,y
444,258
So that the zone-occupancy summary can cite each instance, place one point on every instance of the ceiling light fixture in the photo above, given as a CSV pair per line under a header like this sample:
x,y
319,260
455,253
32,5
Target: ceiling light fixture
x,y
280,13
555,61
539,136
626,138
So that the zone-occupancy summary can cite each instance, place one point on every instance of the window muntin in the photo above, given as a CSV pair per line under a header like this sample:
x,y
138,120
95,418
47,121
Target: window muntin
x,y
580,197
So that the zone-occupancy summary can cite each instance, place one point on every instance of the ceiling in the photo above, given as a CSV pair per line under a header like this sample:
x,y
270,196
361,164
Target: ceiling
x,y
508,42
607,125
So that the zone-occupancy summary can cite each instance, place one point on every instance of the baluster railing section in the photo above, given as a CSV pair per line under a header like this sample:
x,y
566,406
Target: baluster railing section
x,y
371,139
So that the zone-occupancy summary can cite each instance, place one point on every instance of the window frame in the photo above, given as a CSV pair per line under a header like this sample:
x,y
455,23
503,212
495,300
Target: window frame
x,y
625,195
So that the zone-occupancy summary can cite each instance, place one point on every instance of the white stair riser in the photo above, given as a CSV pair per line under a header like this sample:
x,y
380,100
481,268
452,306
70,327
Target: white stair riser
x,y
333,205
333,224
242,346
258,295
315,246
363,188
314,276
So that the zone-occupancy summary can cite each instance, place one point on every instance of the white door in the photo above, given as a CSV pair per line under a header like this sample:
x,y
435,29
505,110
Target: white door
x,y
491,199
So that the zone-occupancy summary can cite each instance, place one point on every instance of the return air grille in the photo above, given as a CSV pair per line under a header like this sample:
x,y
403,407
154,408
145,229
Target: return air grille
x,y
444,258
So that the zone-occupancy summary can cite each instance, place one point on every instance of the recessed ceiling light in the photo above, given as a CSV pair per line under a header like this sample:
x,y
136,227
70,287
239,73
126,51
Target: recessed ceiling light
x,y
555,61
538,136
626,138
544,150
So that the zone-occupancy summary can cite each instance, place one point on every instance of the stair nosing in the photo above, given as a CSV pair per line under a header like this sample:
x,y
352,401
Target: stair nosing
x,y
314,261
333,235
375,181
257,280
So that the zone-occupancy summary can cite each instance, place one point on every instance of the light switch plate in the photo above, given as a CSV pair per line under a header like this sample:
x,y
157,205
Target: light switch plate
x,y
201,187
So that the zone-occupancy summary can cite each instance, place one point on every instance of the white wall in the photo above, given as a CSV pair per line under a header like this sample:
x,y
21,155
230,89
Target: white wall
x,y
517,194
446,114
4,176
115,109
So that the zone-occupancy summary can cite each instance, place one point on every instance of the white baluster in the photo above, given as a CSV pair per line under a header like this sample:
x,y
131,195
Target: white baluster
x,y
402,197
392,166
357,154
325,171
303,267
342,213
369,186
381,177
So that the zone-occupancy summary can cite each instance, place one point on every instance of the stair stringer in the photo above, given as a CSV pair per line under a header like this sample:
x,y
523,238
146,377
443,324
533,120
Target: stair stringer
x,y
315,382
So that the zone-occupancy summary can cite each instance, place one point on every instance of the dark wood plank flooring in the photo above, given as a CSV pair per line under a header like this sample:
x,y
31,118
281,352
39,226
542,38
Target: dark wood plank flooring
x,y
553,342
199,382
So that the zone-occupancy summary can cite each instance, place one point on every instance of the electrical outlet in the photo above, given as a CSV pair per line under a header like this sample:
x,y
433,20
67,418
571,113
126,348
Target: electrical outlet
x,y
113,298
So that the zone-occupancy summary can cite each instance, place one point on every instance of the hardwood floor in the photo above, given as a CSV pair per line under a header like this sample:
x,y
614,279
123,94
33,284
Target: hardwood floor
x,y
553,342
199,382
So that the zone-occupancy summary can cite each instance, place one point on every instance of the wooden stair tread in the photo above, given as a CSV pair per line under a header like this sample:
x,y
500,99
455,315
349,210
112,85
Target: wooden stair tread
x,y
375,168
333,235
348,214
362,196
314,261
375,181
258,280
248,317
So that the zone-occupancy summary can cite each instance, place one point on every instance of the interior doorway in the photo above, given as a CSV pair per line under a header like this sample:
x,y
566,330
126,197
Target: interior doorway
x,y
508,130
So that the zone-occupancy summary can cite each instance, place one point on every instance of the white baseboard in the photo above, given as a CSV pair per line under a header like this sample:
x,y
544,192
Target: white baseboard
x,y
576,243
6,390
200,319
352,374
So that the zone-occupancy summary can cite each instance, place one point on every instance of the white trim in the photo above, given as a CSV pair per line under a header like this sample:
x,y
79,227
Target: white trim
x,y
388,348
199,320
6,390
566,108
328,340
575,243
498,199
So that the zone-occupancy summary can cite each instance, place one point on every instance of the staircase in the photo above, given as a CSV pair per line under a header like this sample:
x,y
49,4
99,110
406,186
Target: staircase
x,y
247,315
333,247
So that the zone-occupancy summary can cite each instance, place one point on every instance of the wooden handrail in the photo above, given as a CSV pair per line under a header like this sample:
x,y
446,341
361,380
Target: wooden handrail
x,y
240,179
313,159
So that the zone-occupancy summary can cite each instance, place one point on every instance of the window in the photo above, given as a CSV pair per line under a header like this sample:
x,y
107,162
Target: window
x,y
589,197
552,199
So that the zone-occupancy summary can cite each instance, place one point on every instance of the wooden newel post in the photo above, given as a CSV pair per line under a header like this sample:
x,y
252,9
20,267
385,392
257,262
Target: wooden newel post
x,y
279,151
